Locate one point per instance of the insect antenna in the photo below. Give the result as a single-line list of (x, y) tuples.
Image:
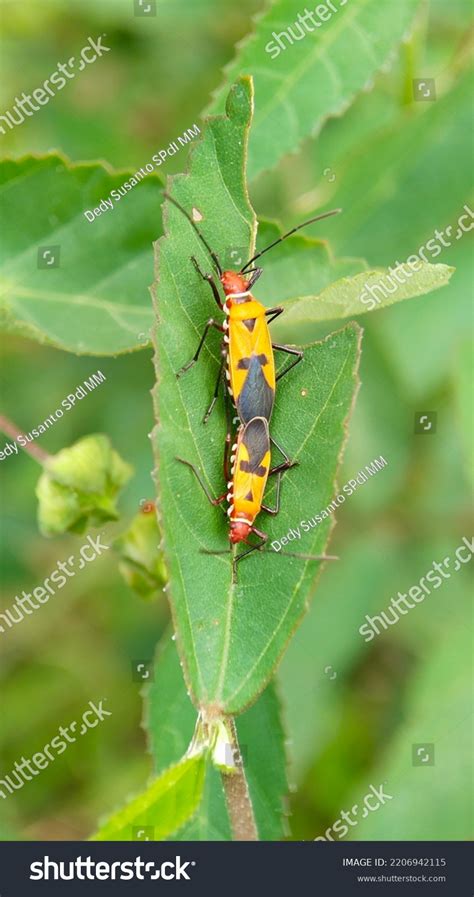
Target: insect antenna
[(290, 232), (304, 557), (198, 232), (288, 554)]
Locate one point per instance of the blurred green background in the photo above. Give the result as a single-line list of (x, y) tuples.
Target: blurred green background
[(353, 710)]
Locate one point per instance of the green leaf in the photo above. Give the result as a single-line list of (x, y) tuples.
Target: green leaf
[(384, 179), (389, 178), (318, 75), (362, 293), (231, 637), (170, 725), (165, 805), (97, 301)]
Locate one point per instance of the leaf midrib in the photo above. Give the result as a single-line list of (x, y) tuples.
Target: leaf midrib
[(304, 568), (76, 299)]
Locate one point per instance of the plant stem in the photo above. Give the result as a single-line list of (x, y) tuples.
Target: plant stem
[(7, 426), (239, 804)]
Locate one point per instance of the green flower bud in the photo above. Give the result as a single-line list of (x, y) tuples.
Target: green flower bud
[(79, 486), (141, 562)]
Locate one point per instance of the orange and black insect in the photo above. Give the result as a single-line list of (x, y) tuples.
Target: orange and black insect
[(247, 348), (245, 490)]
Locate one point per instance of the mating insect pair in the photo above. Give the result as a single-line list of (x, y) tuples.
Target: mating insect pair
[(249, 368), (250, 472)]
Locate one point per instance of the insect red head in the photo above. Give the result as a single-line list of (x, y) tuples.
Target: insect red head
[(233, 282), (239, 530)]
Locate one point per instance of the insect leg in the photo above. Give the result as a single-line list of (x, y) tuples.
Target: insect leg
[(286, 464), (290, 350), (244, 554), (210, 280), (228, 441), (213, 501), (215, 393), (276, 509), (280, 468), (210, 323), (274, 312)]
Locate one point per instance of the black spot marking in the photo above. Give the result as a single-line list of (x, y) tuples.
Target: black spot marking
[(249, 496), (247, 467), (257, 397), (244, 363), (256, 439), (250, 324)]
